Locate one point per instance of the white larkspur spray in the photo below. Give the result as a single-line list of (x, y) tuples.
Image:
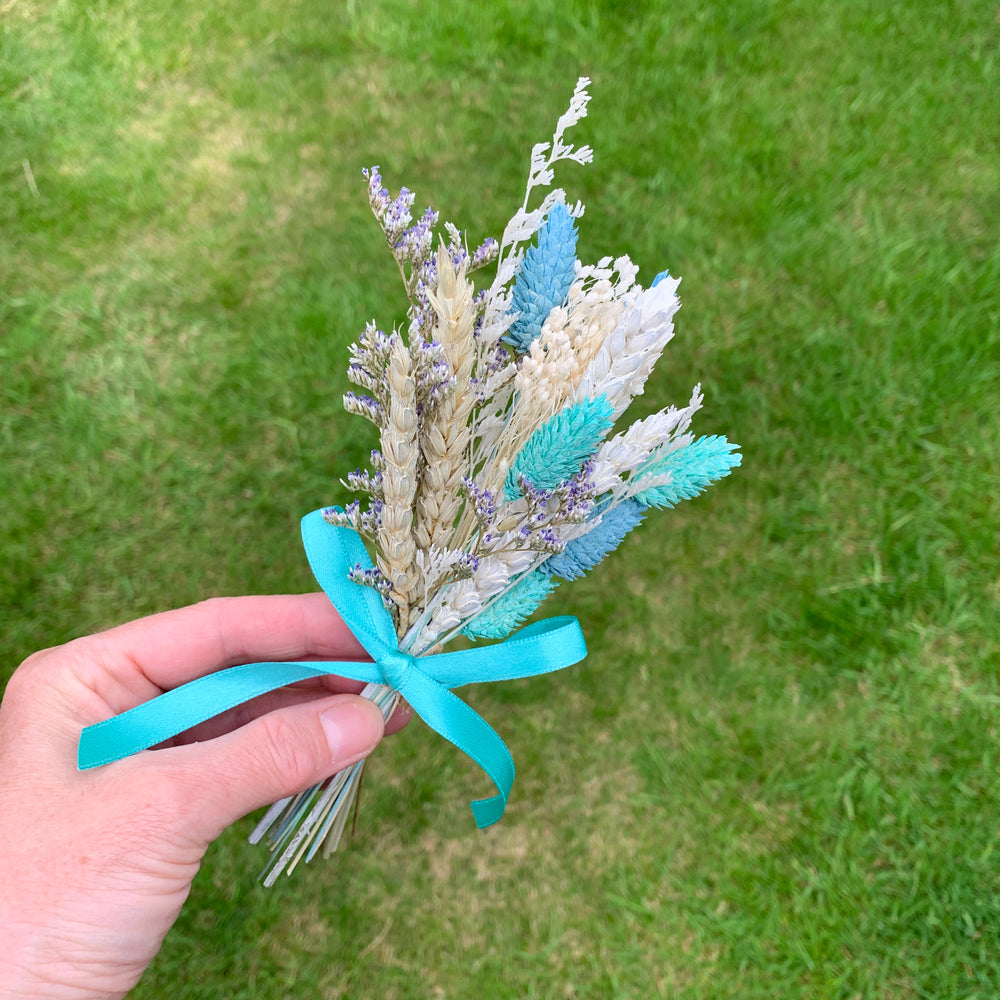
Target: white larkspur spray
[(629, 450), (525, 222)]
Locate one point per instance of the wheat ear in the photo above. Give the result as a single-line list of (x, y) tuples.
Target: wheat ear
[(444, 438), (400, 451)]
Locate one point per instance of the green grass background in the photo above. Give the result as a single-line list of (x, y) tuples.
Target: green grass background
[(776, 773)]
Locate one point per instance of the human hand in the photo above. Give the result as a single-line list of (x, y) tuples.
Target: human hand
[(97, 863)]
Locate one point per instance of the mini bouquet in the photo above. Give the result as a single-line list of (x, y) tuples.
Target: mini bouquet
[(501, 471)]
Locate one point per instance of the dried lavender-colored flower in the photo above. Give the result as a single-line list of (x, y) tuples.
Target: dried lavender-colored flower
[(484, 254), (483, 502), (365, 406), (362, 481)]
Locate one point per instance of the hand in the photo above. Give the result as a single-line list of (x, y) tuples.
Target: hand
[(96, 864)]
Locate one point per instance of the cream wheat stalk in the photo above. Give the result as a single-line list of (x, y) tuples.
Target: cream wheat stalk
[(395, 549), (445, 437)]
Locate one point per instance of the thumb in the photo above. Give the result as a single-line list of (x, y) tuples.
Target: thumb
[(276, 755)]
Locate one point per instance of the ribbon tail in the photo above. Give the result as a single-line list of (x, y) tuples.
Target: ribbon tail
[(466, 729), (541, 648), (197, 701)]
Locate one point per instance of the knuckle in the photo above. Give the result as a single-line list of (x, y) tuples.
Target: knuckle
[(293, 752), (28, 676), (35, 663)]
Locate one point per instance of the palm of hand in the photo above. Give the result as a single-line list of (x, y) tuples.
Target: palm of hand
[(111, 890)]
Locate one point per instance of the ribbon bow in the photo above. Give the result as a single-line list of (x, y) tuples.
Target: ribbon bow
[(425, 682)]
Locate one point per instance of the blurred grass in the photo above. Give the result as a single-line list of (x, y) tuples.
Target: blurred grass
[(775, 773)]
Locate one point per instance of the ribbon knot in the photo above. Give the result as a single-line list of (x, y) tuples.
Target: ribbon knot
[(333, 552), (395, 667)]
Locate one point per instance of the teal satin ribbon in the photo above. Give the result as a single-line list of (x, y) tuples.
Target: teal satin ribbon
[(425, 682)]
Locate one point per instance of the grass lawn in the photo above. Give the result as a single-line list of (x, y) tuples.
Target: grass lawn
[(776, 773)]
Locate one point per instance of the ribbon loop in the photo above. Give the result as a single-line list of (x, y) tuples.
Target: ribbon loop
[(425, 682)]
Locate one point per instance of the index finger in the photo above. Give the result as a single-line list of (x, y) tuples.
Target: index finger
[(174, 647)]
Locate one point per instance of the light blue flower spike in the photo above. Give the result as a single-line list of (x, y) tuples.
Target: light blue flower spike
[(584, 553), (557, 450), (512, 607), (543, 282), (692, 468)]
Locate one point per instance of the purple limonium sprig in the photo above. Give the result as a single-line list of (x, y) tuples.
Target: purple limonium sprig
[(416, 242), (365, 406), (434, 378), (466, 565), (374, 578), (413, 247), (423, 282), (483, 502), (362, 481), (366, 521), (542, 539), (369, 358), (370, 520), (461, 259), (378, 196), (577, 495), (393, 214), (484, 254)]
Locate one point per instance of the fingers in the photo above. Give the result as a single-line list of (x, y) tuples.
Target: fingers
[(177, 646), (285, 697), (271, 757), (245, 713)]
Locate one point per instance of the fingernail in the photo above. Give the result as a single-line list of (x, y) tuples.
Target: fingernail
[(352, 728)]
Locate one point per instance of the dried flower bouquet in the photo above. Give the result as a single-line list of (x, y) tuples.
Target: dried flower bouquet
[(497, 475)]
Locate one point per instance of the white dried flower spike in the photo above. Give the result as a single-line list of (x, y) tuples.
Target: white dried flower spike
[(525, 223), (623, 454), (620, 369)]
